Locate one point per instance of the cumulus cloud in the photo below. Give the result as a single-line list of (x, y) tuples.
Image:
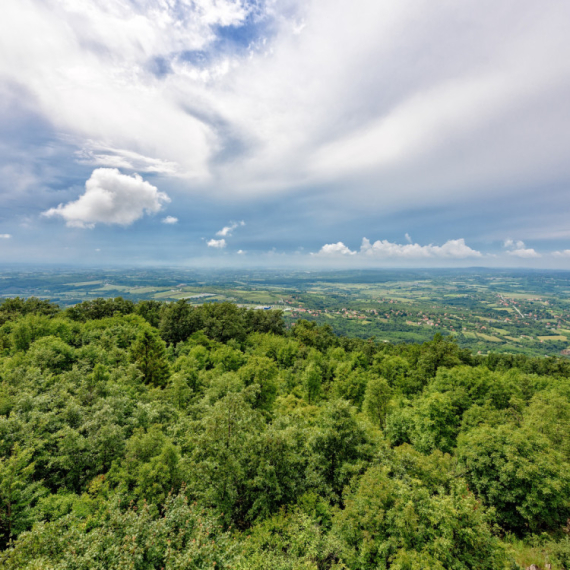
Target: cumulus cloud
[(517, 248), (335, 249), (170, 220), (111, 198), (524, 253), (227, 231), (513, 244), (451, 249), (564, 253), (454, 248), (5, 236), (217, 243)]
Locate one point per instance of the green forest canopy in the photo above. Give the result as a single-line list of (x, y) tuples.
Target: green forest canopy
[(162, 435)]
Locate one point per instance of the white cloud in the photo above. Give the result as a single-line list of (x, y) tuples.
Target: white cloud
[(372, 106), (5, 236), (119, 72), (111, 198), (228, 230), (241, 252), (452, 249), (170, 220), (335, 249), (517, 248), (217, 243), (524, 253), (564, 253), (408, 238), (513, 244)]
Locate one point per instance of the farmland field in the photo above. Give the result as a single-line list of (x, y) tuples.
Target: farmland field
[(485, 310)]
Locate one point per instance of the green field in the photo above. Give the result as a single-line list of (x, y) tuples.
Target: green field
[(485, 310)]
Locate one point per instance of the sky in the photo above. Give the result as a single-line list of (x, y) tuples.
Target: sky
[(301, 133)]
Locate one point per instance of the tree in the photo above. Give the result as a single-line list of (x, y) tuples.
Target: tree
[(224, 321), (312, 379), (376, 400), (18, 492), (517, 472), (11, 309), (261, 372), (264, 321), (150, 311), (181, 535), (310, 334), (225, 457), (100, 309), (338, 448), (391, 523), (430, 423), (148, 352), (179, 321)]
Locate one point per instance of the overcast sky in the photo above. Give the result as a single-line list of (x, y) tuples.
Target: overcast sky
[(283, 132)]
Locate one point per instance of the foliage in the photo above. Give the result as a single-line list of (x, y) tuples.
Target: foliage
[(166, 435), (514, 470)]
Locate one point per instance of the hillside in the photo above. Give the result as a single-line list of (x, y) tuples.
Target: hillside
[(156, 435)]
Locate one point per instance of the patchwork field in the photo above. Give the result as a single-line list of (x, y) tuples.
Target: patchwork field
[(502, 311)]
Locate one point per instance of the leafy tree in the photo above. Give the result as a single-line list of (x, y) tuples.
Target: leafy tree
[(224, 321), (312, 335), (51, 354), (339, 448), (388, 523), (179, 321), (225, 456), (312, 380), (264, 321), (431, 423), (515, 471), (14, 307), (183, 536), (377, 399), (18, 492), (227, 358), (549, 413), (290, 541), (261, 372), (148, 352), (150, 311), (100, 309)]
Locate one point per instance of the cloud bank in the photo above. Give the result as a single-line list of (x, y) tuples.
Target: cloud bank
[(111, 198), (451, 249)]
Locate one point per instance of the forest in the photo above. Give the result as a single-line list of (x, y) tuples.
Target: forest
[(165, 435)]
